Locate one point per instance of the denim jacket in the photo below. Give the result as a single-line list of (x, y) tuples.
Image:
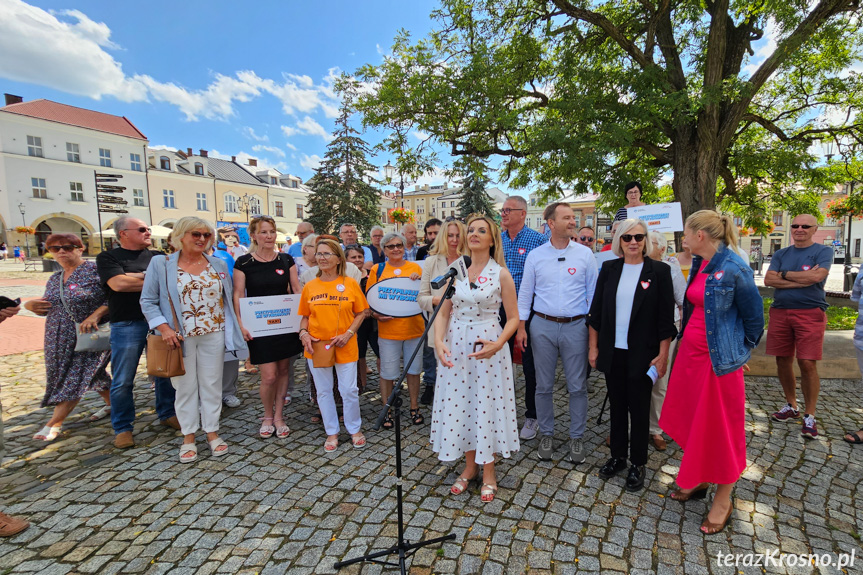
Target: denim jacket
[(733, 310), (160, 283)]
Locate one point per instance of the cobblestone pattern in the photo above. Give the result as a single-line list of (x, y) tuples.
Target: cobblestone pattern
[(274, 506)]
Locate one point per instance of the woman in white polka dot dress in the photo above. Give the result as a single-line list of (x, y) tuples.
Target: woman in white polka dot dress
[(474, 403)]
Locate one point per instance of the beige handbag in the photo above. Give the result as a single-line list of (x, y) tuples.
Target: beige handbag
[(163, 361)]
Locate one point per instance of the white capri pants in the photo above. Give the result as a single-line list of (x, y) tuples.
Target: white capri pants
[(393, 351), (347, 374), (199, 391)]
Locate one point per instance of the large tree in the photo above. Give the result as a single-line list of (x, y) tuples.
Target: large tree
[(341, 192), (590, 94), (474, 198)]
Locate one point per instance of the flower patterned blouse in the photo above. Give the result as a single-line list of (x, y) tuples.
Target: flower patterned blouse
[(201, 302)]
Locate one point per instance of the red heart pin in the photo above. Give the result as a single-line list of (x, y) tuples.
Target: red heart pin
[(280, 272), (482, 279), (645, 285), (806, 268), (571, 271), (521, 251), (718, 275)]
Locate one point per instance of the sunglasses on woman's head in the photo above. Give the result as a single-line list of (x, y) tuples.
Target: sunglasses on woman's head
[(197, 235), (628, 237)]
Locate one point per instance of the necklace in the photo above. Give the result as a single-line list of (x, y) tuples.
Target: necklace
[(261, 259)]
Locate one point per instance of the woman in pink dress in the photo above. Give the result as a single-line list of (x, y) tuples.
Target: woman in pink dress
[(704, 411)]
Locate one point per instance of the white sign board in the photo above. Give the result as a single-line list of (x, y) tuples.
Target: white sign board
[(659, 217), (270, 315), (396, 297)]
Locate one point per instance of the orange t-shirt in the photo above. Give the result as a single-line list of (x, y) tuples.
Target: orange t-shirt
[(399, 328), (332, 310)]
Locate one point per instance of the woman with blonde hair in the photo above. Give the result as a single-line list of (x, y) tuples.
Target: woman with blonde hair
[(265, 271), (474, 404), (333, 306), (705, 406), (187, 297)]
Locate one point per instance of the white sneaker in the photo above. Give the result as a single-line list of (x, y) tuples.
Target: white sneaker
[(231, 401), (531, 426)]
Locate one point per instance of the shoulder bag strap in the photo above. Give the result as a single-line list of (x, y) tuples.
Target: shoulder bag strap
[(381, 267), (63, 299)]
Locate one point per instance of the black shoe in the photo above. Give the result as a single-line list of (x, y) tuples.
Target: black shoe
[(635, 479), (428, 395), (612, 467)]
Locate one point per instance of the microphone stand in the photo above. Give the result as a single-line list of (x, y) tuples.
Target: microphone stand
[(404, 548)]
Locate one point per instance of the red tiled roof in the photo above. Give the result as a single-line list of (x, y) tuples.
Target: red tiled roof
[(72, 116)]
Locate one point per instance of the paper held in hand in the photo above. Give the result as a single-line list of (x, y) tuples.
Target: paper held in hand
[(270, 315), (659, 217)]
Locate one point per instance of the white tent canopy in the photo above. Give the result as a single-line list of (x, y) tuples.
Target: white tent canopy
[(158, 232)]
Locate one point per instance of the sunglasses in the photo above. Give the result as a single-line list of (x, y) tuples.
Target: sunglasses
[(66, 248), (198, 235), (587, 239), (140, 230), (804, 226), (395, 247), (629, 237)]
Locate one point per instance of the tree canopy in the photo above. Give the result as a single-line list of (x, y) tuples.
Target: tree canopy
[(340, 191), (474, 198), (729, 98)]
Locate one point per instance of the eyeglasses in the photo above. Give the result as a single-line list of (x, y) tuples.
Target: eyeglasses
[(66, 248), (395, 247), (587, 239), (324, 255), (506, 211), (629, 237), (197, 235), (140, 230), (804, 226)]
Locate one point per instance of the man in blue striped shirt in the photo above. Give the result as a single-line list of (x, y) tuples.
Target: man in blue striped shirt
[(518, 240)]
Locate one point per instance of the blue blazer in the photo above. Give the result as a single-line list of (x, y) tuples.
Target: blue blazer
[(160, 283)]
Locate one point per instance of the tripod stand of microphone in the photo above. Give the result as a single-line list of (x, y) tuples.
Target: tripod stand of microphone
[(405, 548)]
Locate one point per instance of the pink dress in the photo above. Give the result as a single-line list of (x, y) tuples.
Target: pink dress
[(704, 413)]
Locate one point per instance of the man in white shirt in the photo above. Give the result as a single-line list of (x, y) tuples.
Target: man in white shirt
[(559, 278)]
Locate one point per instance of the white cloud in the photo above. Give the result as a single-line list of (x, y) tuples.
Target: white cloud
[(250, 133), (214, 102), (311, 162), (763, 48), (290, 146), (270, 149), (420, 135), (163, 147), (288, 131), (306, 126)]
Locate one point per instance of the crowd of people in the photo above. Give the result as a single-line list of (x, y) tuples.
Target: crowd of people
[(671, 334)]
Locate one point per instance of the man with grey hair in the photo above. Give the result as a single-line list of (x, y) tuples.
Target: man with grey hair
[(304, 229), (377, 234), (348, 235), (409, 231), (518, 241), (122, 272)]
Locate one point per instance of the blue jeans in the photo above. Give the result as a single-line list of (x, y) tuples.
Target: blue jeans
[(128, 339), (429, 366)]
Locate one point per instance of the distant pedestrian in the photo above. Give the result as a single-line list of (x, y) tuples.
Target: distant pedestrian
[(4, 251)]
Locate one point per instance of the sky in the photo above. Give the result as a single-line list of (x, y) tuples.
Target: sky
[(252, 79)]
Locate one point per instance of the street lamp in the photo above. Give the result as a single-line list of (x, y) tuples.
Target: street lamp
[(22, 208)]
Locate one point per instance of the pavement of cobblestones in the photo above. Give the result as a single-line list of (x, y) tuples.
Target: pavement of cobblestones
[(275, 506)]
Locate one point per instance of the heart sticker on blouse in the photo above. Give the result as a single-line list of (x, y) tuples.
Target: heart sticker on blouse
[(645, 285), (222, 275), (521, 251), (397, 272), (571, 271), (482, 279), (280, 272), (73, 286), (806, 268), (718, 275)]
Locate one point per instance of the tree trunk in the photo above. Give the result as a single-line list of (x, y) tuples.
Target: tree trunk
[(695, 176)]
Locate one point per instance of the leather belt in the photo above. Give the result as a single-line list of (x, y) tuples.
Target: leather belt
[(559, 319)]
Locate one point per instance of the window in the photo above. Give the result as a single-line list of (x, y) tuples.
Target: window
[(255, 206), (73, 152), (280, 210), (105, 157), (231, 203), (77, 190), (135, 159), (538, 221), (168, 199), (857, 248), (274, 181), (34, 146), (165, 163), (202, 201), (199, 168), (738, 221), (452, 204), (777, 218), (294, 184), (137, 197), (588, 221), (299, 211), (39, 188)]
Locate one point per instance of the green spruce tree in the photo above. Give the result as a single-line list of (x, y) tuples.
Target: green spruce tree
[(340, 192), (474, 198)]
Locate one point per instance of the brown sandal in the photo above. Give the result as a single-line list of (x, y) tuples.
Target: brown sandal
[(709, 528), (700, 492)]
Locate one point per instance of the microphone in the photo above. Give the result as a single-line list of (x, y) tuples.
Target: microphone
[(457, 269)]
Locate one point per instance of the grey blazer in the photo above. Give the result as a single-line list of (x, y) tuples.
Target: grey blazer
[(160, 283)]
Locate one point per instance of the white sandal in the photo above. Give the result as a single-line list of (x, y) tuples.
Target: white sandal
[(188, 448), (102, 413), (48, 433), (216, 444)]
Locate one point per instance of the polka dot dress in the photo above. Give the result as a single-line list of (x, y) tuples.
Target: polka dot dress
[(474, 401)]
